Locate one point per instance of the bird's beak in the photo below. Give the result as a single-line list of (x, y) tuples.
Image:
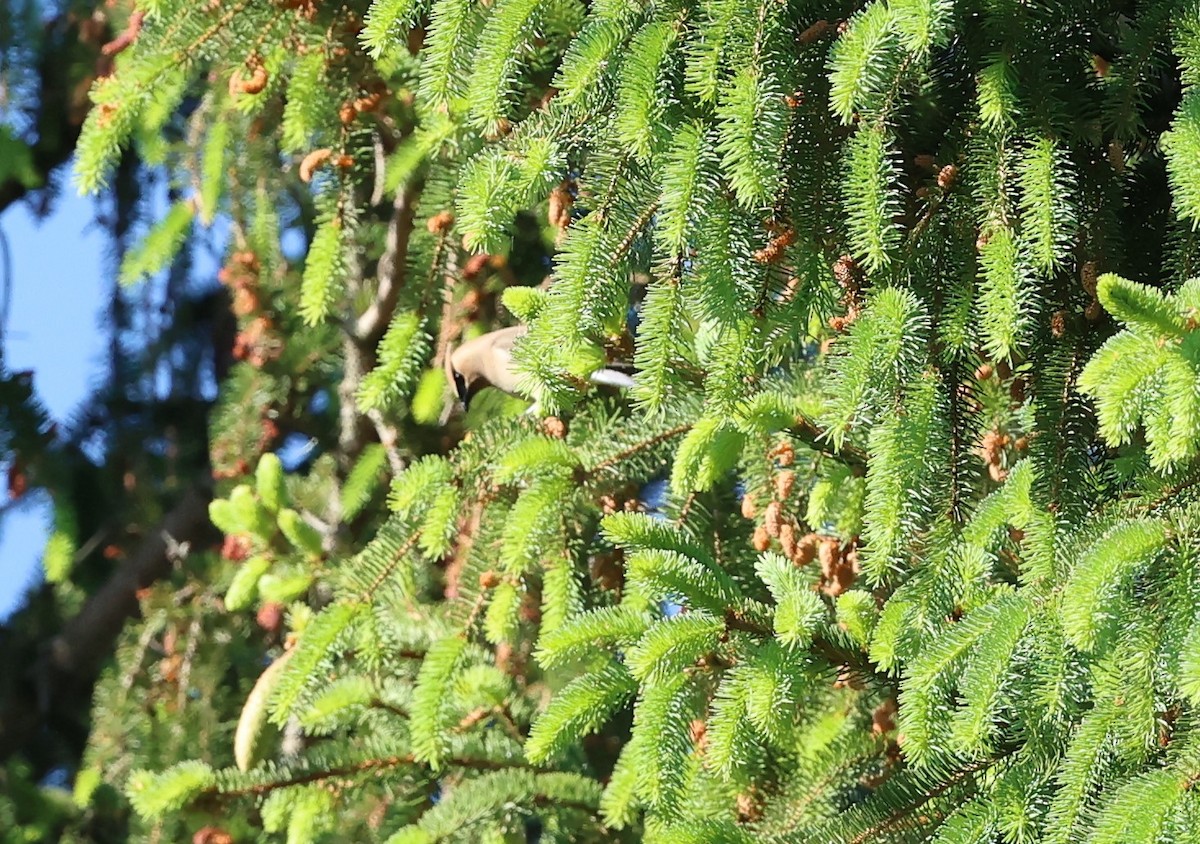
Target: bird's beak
[(457, 380)]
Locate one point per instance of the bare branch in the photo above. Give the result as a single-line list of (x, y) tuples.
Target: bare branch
[(88, 637), (393, 264)]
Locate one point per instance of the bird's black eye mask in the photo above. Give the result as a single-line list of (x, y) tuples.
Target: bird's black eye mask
[(460, 387)]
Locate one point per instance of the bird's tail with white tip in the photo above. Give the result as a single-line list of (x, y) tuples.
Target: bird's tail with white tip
[(611, 378)]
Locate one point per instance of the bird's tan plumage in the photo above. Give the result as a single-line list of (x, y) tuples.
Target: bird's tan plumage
[(487, 361)]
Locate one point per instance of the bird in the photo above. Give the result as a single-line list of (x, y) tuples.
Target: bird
[(487, 361)]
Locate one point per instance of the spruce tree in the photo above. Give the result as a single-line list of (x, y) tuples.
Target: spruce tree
[(891, 540)]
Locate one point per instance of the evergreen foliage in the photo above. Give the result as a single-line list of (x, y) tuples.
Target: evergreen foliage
[(893, 540)]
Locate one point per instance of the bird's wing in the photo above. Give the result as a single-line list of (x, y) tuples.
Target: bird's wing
[(500, 370)]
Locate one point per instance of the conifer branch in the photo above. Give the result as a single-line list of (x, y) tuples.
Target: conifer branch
[(398, 711), (818, 788), (854, 660), (984, 622), (386, 572), (968, 770), (363, 767), (630, 236), (817, 439), (636, 448)]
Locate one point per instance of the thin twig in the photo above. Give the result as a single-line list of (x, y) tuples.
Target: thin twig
[(816, 439), (363, 767), (657, 439), (388, 437), (887, 823)]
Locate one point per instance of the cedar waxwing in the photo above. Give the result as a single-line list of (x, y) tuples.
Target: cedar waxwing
[(487, 361)]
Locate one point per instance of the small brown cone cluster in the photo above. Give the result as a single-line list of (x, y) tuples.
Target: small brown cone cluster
[(268, 433), (993, 451), (127, 36), (947, 174), (947, 177), (783, 528), (749, 508), (749, 806), (306, 9), (773, 519), (313, 162), (256, 342), (559, 205), (211, 835), (440, 223), (105, 114), (883, 720), (242, 270), (372, 98), (806, 549), (619, 503), (251, 79), (240, 275), (761, 540), (1088, 276), (1058, 324), (814, 33), (839, 566), (475, 266), (169, 667), (784, 482), (553, 427), (270, 617), (778, 525), (235, 547), (18, 479), (783, 454), (318, 158), (782, 237), (848, 275), (608, 570), (787, 539), (225, 470)]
